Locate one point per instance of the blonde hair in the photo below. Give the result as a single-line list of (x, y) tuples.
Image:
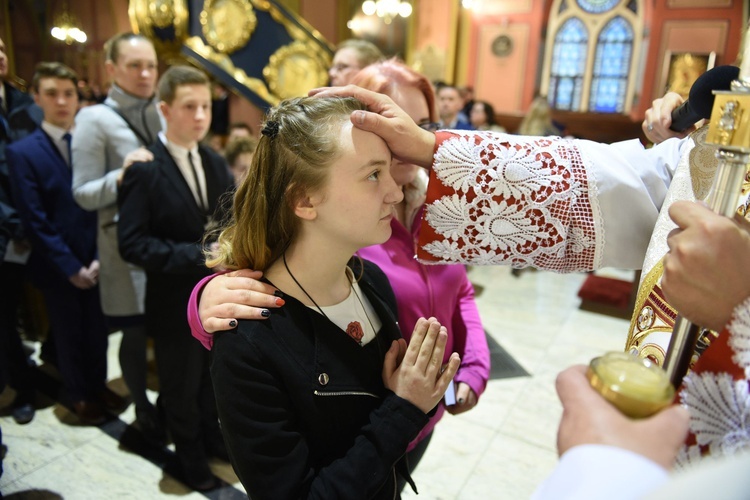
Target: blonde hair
[(367, 52), (538, 121), (300, 140)]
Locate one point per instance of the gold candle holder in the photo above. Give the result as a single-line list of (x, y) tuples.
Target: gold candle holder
[(636, 386)]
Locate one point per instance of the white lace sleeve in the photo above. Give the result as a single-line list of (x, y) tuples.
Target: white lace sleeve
[(542, 201), (717, 394), (739, 339)]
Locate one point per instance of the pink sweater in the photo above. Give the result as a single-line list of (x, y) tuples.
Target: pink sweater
[(442, 291)]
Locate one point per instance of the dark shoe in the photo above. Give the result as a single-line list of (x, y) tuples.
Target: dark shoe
[(89, 412), (23, 414), (112, 401), (150, 426), (198, 475)]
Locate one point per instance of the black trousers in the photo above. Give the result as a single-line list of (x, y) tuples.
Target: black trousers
[(14, 363), (80, 332), (185, 388)]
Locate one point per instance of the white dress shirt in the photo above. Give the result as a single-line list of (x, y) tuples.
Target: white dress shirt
[(180, 156), (57, 135)]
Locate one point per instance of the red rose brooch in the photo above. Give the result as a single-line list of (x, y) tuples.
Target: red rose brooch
[(354, 330)]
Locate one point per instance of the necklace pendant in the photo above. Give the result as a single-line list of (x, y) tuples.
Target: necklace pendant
[(355, 331)]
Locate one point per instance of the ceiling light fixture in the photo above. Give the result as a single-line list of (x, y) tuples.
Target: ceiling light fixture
[(387, 9), (66, 28)]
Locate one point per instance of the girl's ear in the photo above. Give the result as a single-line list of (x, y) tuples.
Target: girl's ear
[(307, 204), (304, 208)]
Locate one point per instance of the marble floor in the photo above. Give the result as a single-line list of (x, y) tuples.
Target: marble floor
[(501, 449)]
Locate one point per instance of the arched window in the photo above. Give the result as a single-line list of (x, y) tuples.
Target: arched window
[(568, 65), (590, 62), (614, 51)]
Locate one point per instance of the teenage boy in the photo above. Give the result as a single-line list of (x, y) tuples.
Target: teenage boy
[(165, 205), (63, 262)]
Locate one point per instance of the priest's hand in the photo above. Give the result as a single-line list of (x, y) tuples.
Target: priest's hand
[(589, 419), (406, 140), (707, 269)]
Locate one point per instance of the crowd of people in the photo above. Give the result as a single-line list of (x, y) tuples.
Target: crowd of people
[(293, 253)]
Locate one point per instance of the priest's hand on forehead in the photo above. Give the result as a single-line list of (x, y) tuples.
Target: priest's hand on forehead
[(406, 140)]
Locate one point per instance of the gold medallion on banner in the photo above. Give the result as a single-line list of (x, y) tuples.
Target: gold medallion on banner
[(150, 17), (295, 69), (228, 24)]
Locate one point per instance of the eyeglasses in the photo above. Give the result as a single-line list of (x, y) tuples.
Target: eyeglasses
[(430, 126), (343, 67)]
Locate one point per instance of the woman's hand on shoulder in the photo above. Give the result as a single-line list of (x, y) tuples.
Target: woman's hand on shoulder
[(236, 295), (416, 373)]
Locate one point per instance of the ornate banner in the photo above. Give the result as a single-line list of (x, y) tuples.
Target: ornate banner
[(255, 47)]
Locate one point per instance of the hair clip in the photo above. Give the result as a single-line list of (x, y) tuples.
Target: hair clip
[(271, 129)]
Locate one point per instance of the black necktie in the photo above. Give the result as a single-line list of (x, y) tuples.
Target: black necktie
[(67, 138), (203, 204)]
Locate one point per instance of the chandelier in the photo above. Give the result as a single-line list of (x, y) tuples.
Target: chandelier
[(66, 28), (387, 9)]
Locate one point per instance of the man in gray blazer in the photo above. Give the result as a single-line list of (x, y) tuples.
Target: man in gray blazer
[(105, 134)]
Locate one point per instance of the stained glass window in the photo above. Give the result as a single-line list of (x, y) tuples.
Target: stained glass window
[(612, 60), (597, 6), (568, 65)]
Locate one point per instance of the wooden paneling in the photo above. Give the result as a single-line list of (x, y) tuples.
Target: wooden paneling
[(606, 128)]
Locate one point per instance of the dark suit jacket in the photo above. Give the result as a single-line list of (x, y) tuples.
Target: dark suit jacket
[(62, 234), (160, 228), (303, 407), (23, 116)]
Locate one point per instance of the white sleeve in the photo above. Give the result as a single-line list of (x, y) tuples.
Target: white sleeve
[(631, 184), (598, 471), (555, 204)]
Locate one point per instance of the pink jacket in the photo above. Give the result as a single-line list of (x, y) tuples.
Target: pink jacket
[(442, 291)]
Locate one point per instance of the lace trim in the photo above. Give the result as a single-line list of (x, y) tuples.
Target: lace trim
[(520, 201), (739, 338), (719, 411)]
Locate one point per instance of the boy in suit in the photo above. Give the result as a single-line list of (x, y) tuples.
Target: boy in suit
[(63, 261), (165, 206)]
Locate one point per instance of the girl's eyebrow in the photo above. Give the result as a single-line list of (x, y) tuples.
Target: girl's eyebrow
[(374, 163)]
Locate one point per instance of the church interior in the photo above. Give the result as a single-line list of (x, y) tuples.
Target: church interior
[(599, 65)]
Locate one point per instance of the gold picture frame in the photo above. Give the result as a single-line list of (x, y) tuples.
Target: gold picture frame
[(681, 69)]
